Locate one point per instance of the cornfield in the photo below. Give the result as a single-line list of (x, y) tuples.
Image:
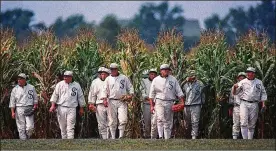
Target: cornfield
[(43, 56)]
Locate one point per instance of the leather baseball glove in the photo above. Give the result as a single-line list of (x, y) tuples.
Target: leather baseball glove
[(177, 107), (29, 112), (125, 98)]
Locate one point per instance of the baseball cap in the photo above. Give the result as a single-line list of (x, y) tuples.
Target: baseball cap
[(164, 66), (68, 73), (22, 75), (153, 70), (242, 74), (251, 69), (114, 66)]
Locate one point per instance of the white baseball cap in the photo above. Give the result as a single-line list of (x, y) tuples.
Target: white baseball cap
[(251, 69), (242, 74), (164, 66), (153, 70), (68, 73), (22, 75), (103, 69), (114, 66)]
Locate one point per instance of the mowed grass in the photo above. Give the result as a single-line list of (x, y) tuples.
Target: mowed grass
[(138, 144)]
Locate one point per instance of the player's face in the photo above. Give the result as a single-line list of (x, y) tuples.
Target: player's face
[(68, 79), (152, 75), (165, 72), (241, 78), (21, 81), (191, 78), (250, 75), (114, 71), (103, 75)]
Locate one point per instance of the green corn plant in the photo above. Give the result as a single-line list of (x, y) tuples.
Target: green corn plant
[(82, 56), (211, 64), (255, 50), (9, 68), (133, 61), (41, 60)]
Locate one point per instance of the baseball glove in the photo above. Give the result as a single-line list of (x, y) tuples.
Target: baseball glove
[(29, 112), (177, 107), (125, 98)]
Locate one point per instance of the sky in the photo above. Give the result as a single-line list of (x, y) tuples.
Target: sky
[(49, 11)]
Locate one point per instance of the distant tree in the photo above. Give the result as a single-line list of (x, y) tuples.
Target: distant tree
[(19, 20), (69, 26), (238, 21), (108, 29), (152, 18)]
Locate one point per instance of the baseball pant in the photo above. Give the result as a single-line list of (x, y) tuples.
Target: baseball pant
[(191, 118), (117, 111), (236, 121), (153, 125), (102, 120), (67, 120), (248, 117), (25, 124), (164, 114), (147, 119)]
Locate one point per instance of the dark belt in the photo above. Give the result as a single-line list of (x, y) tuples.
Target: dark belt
[(165, 100), (249, 101), (113, 99), (192, 105)]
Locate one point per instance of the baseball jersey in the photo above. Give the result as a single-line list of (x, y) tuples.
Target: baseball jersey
[(165, 88), (234, 99), (145, 87), (96, 92), (252, 90), (23, 96), (68, 95), (193, 93), (117, 86)]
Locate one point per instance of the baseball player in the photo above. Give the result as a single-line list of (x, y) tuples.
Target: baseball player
[(67, 96), (117, 89), (96, 102), (164, 89), (149, 118), (251, 91), (23, 102), (194, 99), (235, 100)]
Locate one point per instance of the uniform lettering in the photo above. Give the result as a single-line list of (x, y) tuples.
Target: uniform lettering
[(171, 85), (74, 91), (30, 94), (122, 82)]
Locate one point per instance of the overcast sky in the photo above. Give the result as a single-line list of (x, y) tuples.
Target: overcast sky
[(48, 11)]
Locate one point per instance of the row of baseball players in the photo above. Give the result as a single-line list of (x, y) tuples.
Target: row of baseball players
[(105, 98)]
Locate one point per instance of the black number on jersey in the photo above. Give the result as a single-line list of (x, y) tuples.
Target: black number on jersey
[(74, 91)]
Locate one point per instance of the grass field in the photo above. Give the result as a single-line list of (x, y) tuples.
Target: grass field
[(138, 144)]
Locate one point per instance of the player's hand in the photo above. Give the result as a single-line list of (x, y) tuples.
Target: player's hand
[(35, 106), (263, 109), (92, 107), (230, 112), (152, 109), (52, 109), (13, 115), (236, 85), (81, 112), (105, 102)]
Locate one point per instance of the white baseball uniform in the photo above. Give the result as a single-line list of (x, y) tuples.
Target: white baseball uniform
[(67, 97), (149, 118), (251, 93), (235, 100), (96, 97), (114, 88), (194, 99), (164, 90), (23, 98)]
